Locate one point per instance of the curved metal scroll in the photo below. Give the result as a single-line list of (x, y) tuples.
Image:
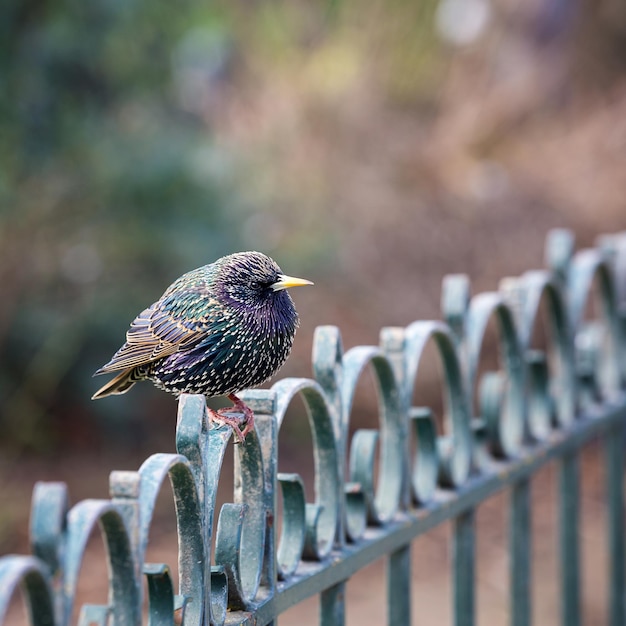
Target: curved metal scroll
[(32, 576)]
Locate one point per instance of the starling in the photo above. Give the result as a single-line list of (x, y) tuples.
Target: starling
[(217, 330)]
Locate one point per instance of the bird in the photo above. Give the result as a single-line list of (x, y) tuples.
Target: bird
[(215, 331)]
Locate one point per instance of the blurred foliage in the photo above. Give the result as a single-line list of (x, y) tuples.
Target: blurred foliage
[(111, 183), (110, 188)]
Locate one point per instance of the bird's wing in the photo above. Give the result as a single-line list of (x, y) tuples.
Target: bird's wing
[(169, 325)]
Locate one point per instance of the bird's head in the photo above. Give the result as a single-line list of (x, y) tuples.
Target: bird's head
[(252, 280)]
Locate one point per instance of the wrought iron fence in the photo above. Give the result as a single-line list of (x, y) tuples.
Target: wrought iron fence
[(541, 406)]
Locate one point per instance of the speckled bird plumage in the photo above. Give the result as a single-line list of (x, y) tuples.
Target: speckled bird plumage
[(216, 330)]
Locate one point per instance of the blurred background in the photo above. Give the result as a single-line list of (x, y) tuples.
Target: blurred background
[(372, 147)]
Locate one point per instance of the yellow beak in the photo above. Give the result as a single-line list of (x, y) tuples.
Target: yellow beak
[(285, 282)]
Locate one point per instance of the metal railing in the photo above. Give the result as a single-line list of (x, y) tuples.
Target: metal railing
[(541, 406)]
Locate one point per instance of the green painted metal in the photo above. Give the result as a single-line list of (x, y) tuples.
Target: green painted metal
[(464, 560), (569, 497), (520, 542), (399, 587), (614, 454), (540, 406), (333, 605)]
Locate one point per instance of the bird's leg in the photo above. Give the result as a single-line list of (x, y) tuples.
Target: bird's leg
[(248, 415), (222, 416), (219, 417)]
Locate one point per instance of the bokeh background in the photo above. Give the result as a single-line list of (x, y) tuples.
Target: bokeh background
[(371, 146)]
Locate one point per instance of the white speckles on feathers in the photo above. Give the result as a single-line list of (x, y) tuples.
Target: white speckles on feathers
[(216, 330)]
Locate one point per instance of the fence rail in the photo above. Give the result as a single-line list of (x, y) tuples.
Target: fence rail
[(499, 428)]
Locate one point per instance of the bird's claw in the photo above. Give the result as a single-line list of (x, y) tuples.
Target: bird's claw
[(247, 412), (225, 417), (231, 416)]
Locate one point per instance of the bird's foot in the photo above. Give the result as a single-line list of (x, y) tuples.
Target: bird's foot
[(248, 414), (227, 416)]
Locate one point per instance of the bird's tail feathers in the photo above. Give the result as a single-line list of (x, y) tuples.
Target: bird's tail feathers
[(120, 384)]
